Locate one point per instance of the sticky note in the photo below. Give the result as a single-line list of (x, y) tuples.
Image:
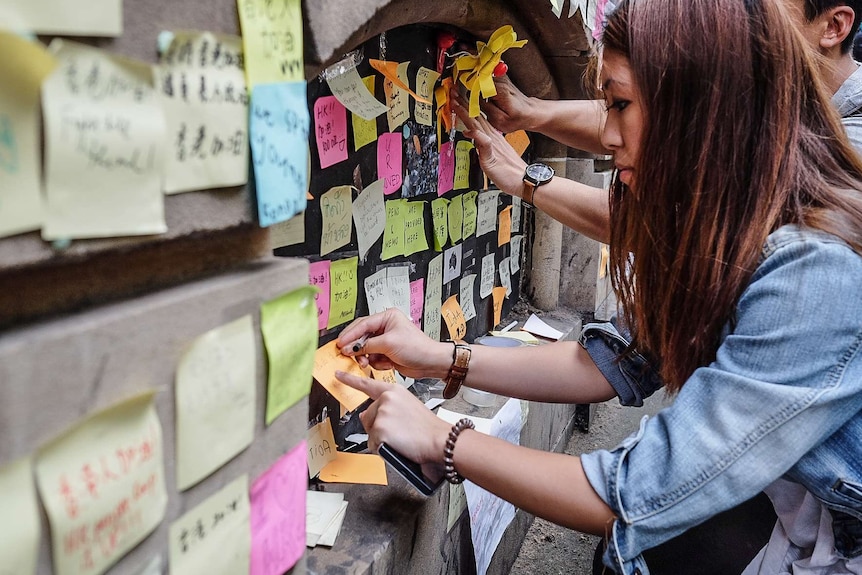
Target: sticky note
[(64, 17), (446, 170), (104, 142), (272, 41), (278, 132), (499, 295), (433, 298), (517, 208), (289, 327), (456, 218), (328, 360), (318, 276), (515, 257), (397, 100), (214, 537), (215, 399), (369, 216), (397, 74), (420, 150), (414, 228), (506, 275), (103, 486), (377, 292), (452, 263), (398, 286), (364, 468), (486, 283), (486, 220), (289, 233), (470, 213), (393, 235), (351, 91), (201, 86), (330, 130), (24, 66), (519, 140), (426, 80), (342, 295), (417, 300), (336, 208), (389, 162), (321, 447), (277, 501), (19, 524), (322, 509), (364, 131), (387, 375), (453, 315), (504, 228), (462, 164), (440, 221), (465, 296)]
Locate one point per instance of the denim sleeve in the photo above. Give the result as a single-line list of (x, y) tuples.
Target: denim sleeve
[(786, 378), (632, 377)]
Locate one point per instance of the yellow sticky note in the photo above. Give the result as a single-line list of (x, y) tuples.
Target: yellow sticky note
[(440, 221), (364, 468), (453, 315), (498, 295), (104, 142), (24, 66), (397, 100), (393, 234), (364, 131), (64, 17), (103, 486), (321, 447), (201, 85), (289, 327), (519, 141), (328, 360), (414, 228), (19, 523), (470, 213), (397, 74), (272, 38), (215, 400), (456, 218), (342, 291), (214, 538), (504, 229), (462, 164), (426, 80), (291, 232), (336, 209)]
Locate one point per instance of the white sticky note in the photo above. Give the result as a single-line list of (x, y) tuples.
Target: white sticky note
[(398, 286), (486, 220), (369, 216), (517, 208), (452, 263), (291, 232), (376, 292), (19, 522), (66, 17), (347, 86), (215, 398), (465, 297), (506, 276), (426, 79), (433, 298), (321, 508), (486, 282), (515, 257), (538, 327), (336, 209)]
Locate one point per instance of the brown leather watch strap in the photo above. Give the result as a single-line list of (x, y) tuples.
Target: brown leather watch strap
[(458, 372), (529, 192)]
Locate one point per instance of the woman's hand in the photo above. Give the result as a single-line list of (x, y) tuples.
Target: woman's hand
[(400, 420), (510, 109), (394, 342)]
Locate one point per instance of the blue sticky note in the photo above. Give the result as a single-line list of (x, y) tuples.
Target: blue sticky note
[(278, 133)]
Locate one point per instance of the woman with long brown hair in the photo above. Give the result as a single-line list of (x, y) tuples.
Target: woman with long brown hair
[(739, 197)]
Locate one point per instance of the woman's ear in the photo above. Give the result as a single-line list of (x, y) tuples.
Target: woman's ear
[(838, 21)]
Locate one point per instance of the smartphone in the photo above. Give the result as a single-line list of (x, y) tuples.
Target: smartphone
[(409, 470)]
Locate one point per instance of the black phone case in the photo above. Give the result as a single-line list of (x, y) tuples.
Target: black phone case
[(409, 470)]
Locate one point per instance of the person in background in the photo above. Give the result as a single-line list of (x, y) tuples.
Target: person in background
[(738, 192)]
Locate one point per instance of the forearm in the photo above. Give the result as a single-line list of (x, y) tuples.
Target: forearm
[(576, 123), (577, 206)]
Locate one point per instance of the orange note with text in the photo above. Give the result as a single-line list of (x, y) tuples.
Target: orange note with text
[(519, 141), (328, 360), (504, 229), (498, 295), (453, 315), (355, 468)]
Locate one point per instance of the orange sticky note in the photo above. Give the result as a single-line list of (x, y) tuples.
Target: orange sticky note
[(390, 71), (504, 229), (387, 375), (519, 141), (355, 468), (327, 360), (453, 315), (498, 295)]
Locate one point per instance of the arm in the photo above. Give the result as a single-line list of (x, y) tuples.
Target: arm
[(559, 372)]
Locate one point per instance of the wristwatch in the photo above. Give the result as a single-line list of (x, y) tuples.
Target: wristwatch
[(534, 176)]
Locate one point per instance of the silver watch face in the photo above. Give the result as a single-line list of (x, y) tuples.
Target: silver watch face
[(539, 172)]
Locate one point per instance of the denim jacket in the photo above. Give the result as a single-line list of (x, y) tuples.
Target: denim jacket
[(783, 398)]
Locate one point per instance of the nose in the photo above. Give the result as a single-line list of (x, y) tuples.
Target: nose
[(610, 137)]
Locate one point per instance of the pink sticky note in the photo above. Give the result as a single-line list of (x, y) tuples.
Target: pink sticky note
[(330, 130), (417, 301), (278, 514), (446, 169), (318, 275), (389, 161)]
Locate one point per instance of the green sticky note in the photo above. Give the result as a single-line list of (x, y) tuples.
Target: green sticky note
[(462, 164), (456, 217), (342, 291), (440, 221), (414, 228), (393, 235), (470, 213), (364, 131), (289, 327)]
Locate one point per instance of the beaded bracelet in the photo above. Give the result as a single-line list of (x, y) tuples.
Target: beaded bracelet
[(453, 476)]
